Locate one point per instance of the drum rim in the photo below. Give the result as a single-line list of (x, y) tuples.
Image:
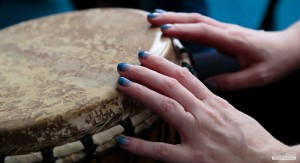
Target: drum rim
[(161, 45), (139, 123)]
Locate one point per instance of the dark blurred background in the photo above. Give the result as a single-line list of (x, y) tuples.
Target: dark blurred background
[(243, 12), (273, 106)]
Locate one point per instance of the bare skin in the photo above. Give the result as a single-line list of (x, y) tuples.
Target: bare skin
[(264, 57), (211, 129)]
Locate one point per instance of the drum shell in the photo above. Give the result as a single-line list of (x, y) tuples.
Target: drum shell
[(62, 52)]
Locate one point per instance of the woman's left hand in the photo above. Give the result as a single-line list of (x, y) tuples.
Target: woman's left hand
[(211, 130), (264, 57)]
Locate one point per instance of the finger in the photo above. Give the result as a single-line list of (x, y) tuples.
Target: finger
[(156, 150), (160, 83), (182, 75), (238, 80), (202, 33), (159, 19), (168, 109)]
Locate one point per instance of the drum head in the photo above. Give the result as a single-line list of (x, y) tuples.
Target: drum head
[(58, 75)]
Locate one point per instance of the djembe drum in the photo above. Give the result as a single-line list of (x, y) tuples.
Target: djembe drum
[(58, 97)]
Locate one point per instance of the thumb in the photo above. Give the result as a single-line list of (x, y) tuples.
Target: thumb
[(243, 79)]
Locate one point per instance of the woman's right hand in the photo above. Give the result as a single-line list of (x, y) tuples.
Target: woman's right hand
[(210, 129), (264, 57)]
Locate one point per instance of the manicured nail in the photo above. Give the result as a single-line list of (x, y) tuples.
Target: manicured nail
[(123, 67), (143, 54), (122, 140), (124, 82), (166, 26), (159, 11), (211, 85), (153, 15)]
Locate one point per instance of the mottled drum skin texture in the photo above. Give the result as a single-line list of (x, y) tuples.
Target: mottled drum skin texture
[(58, 75)]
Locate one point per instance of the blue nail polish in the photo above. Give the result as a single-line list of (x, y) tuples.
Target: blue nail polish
[(123, 67), (143, 54), (124, 82), (122, 140), (159, 11), (166, 26), (152, 15)]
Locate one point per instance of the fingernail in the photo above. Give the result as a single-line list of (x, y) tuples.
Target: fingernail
[(122, 140), (210, 85), (159, 11), (123, 67), (124, 82), (166, 26), (152, 15), (143, 54)]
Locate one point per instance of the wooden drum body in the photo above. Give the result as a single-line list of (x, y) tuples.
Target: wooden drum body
[(58, 82)]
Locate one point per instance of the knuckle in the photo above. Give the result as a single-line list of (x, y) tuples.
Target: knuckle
[(182, 73), (168, 104), (196, 17), (262, 76), (209, 100), (222, 102), (171, 83), (239, 36), (216, 102), (204, 30), (233, 32), (161, 151), (234, 27)]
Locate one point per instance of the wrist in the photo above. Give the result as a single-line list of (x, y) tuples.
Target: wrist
[(293, 33), (292, 154), (274, 153), (284, 154)]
